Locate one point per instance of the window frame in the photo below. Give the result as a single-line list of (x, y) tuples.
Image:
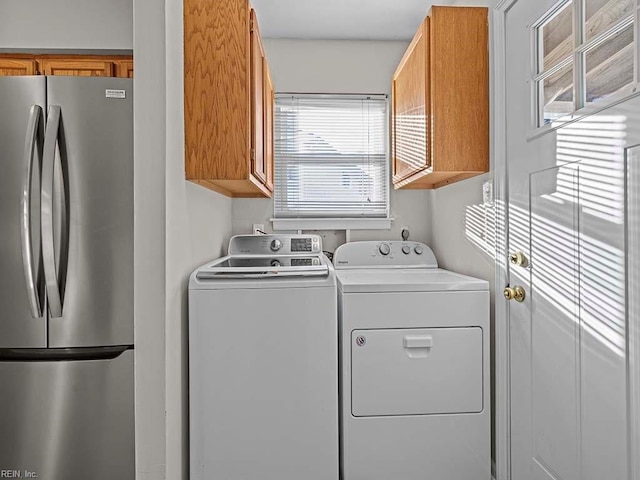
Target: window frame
[(342, 223), (581, 47)]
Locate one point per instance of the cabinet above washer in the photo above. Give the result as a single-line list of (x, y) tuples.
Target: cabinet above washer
[(228, 99)]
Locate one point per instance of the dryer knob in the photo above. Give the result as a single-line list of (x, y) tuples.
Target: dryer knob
[(406, 249), (418, 249), (384, 249), (276, 245)]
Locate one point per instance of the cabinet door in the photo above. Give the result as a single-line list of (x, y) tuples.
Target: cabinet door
[(410, 108), (18, 67), (269, 108), (123, 68), (258, 169), (77, 67)]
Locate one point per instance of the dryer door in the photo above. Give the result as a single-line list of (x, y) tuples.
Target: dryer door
[(416, 371)]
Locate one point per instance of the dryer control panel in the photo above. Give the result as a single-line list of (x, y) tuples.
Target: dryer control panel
[(384, 254)]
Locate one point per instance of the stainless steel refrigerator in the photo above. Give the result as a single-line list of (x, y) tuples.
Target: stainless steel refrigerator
[(66, 278)]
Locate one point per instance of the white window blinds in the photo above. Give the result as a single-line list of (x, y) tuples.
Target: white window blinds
[(331, 156)]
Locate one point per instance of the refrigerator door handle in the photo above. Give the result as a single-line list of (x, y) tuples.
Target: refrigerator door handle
[(54, 292), (32, 146)]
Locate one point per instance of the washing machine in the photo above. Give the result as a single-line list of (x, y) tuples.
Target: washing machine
[(414, 366), (263, 350)]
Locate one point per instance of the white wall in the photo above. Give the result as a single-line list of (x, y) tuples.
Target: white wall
[(198, 230), (179, 226), (337, 66), (149, 238), (449, 214), (66, 24)]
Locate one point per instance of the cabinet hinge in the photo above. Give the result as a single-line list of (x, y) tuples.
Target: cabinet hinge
[(253, 154)]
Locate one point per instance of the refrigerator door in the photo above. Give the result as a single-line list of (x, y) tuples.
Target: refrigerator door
[(21, 129), (87, 211), (68, 420)]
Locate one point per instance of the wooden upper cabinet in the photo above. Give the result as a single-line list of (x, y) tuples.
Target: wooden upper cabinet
[(69, 65), (224, 107), (77, 67), (123, 68), (18, 66), (269, 112), (258, 167), (410, 94), (440, 106)]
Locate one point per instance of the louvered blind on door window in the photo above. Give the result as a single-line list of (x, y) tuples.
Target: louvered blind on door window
[(331, 156)]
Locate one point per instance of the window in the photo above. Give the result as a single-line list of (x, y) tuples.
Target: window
[(331, 157), (584, 53)]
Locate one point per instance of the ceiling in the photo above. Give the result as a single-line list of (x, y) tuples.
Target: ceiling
[(341, 19)]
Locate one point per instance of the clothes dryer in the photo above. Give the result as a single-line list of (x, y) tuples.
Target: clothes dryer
[(414, 366)]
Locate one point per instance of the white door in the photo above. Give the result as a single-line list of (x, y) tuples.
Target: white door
[(573, 191)]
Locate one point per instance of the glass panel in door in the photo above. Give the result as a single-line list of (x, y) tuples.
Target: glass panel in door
[(609, 66), (556, 94), (600, 15), (555, 37)]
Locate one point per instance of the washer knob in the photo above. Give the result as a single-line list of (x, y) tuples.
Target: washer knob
[(406, 249), (418, 249), (276, 245), (384, 249)]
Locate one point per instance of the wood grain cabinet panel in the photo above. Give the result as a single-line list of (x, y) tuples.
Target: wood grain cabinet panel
[(410, 87), (69, 65), (223, 98), (18, 66), (123, 68), (258, 170), (441, 134), (269, 112), (77, 67)]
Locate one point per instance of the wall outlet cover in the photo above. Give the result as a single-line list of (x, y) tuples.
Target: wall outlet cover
[(257, 228), (487, 193)]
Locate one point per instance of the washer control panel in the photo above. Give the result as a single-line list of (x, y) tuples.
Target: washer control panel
[(390, 254), (270, 244)]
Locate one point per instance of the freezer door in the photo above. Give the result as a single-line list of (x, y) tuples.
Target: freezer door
[(68, 420), (87, 210), (21, 296)]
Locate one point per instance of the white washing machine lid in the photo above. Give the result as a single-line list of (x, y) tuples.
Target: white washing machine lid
[(233, 272), (406, 280)]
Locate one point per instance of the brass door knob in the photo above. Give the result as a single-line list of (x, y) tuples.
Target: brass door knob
[(519, 259), (516, 293)]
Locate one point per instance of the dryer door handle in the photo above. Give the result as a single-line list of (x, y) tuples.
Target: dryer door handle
[(417, 341)]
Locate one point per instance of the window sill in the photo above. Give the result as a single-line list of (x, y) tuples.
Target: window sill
[(331, 223)]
